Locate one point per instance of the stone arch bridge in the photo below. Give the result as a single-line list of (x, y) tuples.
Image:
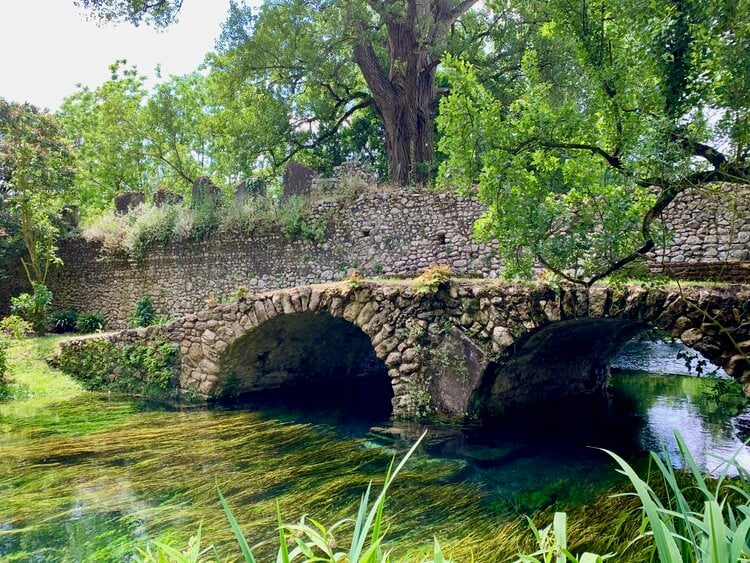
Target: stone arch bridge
[(470, 349)]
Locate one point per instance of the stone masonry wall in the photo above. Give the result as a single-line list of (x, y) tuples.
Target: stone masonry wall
[(387, 233)]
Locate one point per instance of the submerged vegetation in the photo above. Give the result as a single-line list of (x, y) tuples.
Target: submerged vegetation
[(94, 477)]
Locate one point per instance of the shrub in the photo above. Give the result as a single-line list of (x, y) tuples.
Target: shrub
[(99, 364), (89, 322), (63, 321), (433, 278), (15, 327), (295, 220), (144, 313), (3, 364), (33, 307), (152, 225)]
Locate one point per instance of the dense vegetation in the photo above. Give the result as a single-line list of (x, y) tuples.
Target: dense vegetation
[(579, 122)]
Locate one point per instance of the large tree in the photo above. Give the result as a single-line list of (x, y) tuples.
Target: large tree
[(36, 169), (619, 109), (328, 59)]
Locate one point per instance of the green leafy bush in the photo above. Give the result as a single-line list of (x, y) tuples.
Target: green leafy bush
[(89, 322), (144, 313), (296, 223), (33, 307), (15, 327), (144, 369), (63, 321), (3, 364)]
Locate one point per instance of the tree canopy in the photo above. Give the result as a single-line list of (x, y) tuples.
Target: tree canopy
[(36, 169), (617, 111)]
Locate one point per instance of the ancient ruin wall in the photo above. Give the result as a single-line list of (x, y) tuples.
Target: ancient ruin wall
[(388, 233), (392, 233)]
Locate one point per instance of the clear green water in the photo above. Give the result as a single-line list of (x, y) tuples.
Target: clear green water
[(91, 478)]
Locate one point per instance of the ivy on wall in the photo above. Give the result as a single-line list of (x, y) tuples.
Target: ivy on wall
[(149, 370)]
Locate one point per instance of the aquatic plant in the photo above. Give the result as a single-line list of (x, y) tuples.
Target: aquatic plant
[(684, 520), (553, 545), (711, 525)]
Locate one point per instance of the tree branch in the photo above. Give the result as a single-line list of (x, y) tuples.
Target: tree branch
[(612, 160), (459, 11)]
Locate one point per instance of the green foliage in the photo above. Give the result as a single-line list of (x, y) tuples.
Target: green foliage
[(294, 217), (33, 307), (102, 365), (3, 366), (89, 322), (433, 278), (36, 169), (553, 545), (63, 321), (616, 110), (144, 313), (16, 328), (713, 528), (697, 521), (315, 542), (160, 13)]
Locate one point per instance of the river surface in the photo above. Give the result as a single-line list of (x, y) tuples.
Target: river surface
[(93, 478)]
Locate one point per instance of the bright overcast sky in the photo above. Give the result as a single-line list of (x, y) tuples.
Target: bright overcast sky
[(47, 47)]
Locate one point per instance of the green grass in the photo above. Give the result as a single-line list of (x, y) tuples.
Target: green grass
[(32, 379)]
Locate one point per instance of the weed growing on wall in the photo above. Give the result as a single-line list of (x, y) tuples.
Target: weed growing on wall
[(147, 226), (144, 313), (135, 368), (294, 217), (433, 278)]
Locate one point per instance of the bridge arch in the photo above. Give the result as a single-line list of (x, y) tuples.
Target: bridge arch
[(570, 354), (316, 354), (454, 352)]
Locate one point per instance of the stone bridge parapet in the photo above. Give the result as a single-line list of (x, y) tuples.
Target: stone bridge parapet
[(469, 349)]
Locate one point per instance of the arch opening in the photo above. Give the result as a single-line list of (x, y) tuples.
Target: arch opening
[(564, 359), (311, 359)]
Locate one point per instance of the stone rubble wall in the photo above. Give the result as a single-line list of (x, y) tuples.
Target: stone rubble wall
[(473, 344), (382, 234), (709, 224), (388, 233)]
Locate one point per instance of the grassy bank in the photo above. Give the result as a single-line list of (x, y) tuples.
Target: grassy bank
[(32, 380)]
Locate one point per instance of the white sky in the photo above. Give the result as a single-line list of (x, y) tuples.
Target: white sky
[(47, 47)]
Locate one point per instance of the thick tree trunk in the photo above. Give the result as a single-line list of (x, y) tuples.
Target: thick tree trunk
[(405, 93), (409, 134)]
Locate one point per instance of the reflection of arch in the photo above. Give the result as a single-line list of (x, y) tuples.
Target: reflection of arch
[(308, 352)]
